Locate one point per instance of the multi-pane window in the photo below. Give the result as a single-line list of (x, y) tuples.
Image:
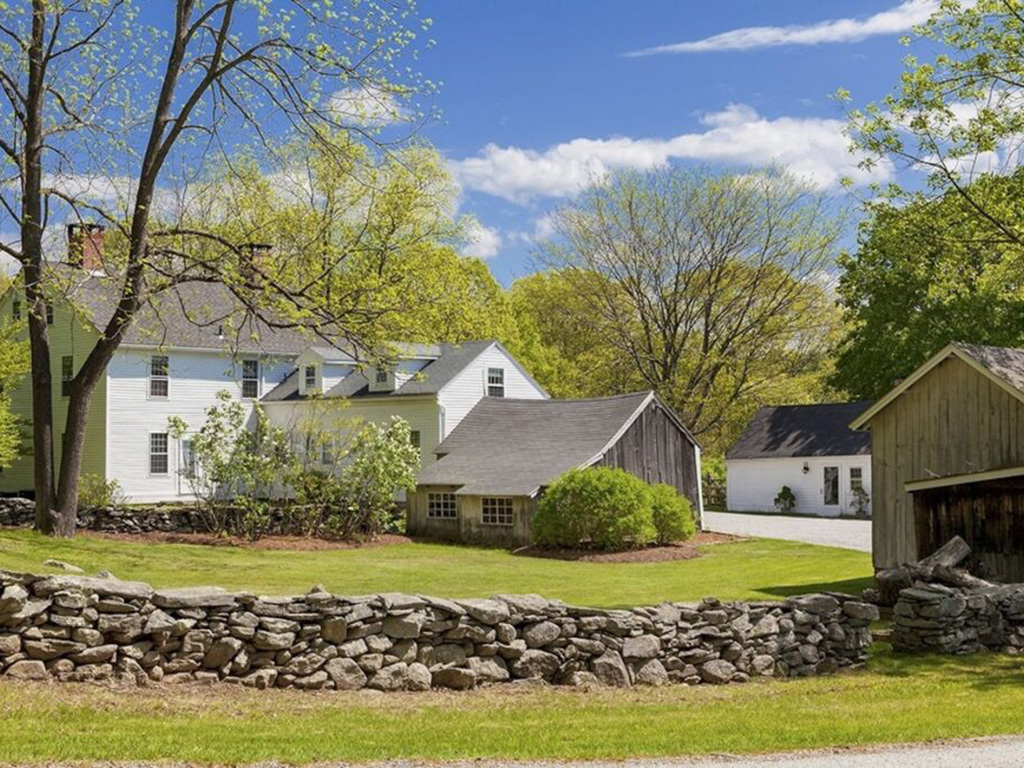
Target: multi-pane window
[(16, 310), (159, 376), (495, 382), (382, 376), (497, 511), (856, 479), (310, 374), (67, 373), (49, 314), (158, 453), (251, 379), (414, 438), (442, 505)]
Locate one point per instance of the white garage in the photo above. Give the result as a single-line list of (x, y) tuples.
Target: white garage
[(808, 449)]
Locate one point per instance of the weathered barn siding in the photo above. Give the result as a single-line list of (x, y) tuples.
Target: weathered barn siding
[(469, 525), (988, 515), (953, 420), (656, 450)]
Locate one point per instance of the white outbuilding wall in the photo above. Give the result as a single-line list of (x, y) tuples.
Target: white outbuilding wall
[(753, 484)]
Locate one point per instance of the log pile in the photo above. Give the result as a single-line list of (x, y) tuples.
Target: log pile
[(940, 567)]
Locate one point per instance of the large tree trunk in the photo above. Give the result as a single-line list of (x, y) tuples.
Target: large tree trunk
[(32, 223)]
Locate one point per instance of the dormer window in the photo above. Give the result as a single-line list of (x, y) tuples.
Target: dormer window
[(495, 382), (310, 378)]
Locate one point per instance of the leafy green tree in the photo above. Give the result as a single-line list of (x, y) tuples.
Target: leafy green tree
[(708, 288), (924, 274), (14, 365), (106, 120), (955, 114)]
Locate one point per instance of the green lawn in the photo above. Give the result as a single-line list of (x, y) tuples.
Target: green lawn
[(750, 569), (894, 700)]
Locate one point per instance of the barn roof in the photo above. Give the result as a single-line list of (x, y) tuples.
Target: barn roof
[(510, 447), (789, 431), (1003, 365)]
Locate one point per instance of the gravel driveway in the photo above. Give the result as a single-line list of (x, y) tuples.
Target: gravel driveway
[(848, 534)]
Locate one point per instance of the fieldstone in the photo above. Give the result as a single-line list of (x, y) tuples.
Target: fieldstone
[(768, 625), (260, 679), (13, 599), (404, 650), (278, 625), (393, 678), (642, 647), (221, 652), (371, 662), (9, 645), (409, 626), (352, 648), (763, 665), (456, 678), (535, 663), (538, 635), (863, 611), (51, 649), (651, 672), (334, 630), (62, 566), (193, 597), (89, 637), (313, 682), (95, 655), (273, 641), (73, 601), (581, 679), (27, 670), (491, 670), (488, 612), (129, 625), (717, 671), (419, 677), (346, 674), (449, 653), (816, 604), (610, 669)]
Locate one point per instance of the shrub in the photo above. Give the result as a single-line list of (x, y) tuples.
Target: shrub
[(673, 514), (786, 501), (599, 507), (95, 493)]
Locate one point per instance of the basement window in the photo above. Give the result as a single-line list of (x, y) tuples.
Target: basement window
[(159, 376), (442, 506), (497, 511), (67, 373), (495, 382), (250, 379), (158, 453)]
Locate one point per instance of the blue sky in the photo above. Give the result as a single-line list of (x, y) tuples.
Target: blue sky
[(525, 84)]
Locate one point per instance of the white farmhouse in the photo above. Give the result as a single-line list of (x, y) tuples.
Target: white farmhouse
[(184, 349), (808, 448)]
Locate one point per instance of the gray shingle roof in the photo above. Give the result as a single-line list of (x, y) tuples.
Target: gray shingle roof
[(1007, 363), (787, 431), (452, 359), (512, 447)]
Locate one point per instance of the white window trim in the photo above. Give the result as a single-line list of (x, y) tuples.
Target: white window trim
[(431, 495), (167, 378), (66, 381), (511, 511), (258, 379), (305, 378), (150, 454), (488, 384)]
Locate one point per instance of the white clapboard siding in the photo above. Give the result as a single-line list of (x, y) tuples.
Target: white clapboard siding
[(462, 393), (195, 380), (753, 484)]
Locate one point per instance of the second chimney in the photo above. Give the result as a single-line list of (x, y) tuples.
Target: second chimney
[(85, 246)]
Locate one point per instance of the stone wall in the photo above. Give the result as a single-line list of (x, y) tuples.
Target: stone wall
[(78, 628), (936, 617)]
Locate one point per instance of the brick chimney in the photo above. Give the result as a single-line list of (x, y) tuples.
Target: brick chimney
[(85, 246), (255, 257)]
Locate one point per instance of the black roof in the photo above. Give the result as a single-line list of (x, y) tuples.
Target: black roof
[(510, 447), (787, 431)]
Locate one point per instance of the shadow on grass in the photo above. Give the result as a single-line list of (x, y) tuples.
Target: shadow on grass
[(983, 671), (849, 586)]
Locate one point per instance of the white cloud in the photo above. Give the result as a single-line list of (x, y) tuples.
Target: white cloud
[(813, 148), (367, 106), (543, 229), (481, 242), (891, 22)]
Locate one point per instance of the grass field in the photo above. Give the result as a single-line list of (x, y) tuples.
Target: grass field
[(748, 569), (894, 700)]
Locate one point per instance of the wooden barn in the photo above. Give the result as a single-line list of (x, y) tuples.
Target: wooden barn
[(947, 453), (492, 468)]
